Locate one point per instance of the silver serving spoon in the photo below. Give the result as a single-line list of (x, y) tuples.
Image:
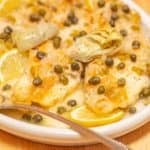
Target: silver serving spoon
[(85, 132)]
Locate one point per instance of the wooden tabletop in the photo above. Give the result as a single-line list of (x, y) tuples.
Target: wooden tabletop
[(137, 140)]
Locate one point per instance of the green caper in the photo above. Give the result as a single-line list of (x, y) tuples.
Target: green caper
[(72, 17), (64, 80), (123, 32), (42, 12), (56, 42), (114, 7), (125, 8), (37, 118), (67, 23), (61, 110), (37, 81), (6, 87), (133, 57), (145, 92), (109, 62), (114, 16), (8, 30), (81, 33), (72, 103), (58, 69), (121, 82), (121, 66), (75, 66), (35, 17), (101, 3), (132, 110), (136, 44), (6, 34), (26, 117), (94, 80), (101, 89), (40, 55), (79, 5), (112, 23)]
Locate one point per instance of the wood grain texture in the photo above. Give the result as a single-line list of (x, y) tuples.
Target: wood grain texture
[(137, 140)]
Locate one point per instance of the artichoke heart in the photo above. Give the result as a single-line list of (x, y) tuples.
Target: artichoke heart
[(95, 44)]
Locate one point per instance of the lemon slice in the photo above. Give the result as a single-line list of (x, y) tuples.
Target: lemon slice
[(85, 117), (11, 65), (7, 6)]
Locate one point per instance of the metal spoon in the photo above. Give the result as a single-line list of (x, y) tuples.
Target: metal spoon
[(85, 132)]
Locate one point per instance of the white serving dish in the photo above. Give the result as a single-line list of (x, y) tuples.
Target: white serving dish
[(62, 136)]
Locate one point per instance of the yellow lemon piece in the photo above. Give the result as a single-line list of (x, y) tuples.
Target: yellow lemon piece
[(11, 65), (89, 4), (87, 118), (7, 6)]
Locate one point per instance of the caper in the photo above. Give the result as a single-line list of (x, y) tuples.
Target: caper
[(58, 69), (61, 110), (37, 118), (133, 57), (121, 66), (125, 8), (75, 66), (64, 80), (40, 55), (123, 32), (112, 23), (101, 89), (94, 80), (136, 44), (132, 110), (114, 16), (121, 82), (79, 5), (72, 17), (26, 117), (109, 62), (4, 36), (37, 81), (67, 23), (145, 92), (101, 3), (35, 17), (8, 30), (6, 87), (56, 41), (81, 33), (72, 103), (114, 7), (42, 12)]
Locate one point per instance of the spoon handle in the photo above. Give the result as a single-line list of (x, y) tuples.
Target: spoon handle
[(85, 132)]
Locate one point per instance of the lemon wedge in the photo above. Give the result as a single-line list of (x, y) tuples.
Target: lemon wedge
[(7, 6), (87, 118), (11, 65)]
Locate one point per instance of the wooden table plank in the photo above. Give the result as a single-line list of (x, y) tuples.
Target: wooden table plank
[(137, 140)]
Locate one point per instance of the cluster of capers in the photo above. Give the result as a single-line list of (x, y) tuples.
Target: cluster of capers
[(36, 118), (62, 109)]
